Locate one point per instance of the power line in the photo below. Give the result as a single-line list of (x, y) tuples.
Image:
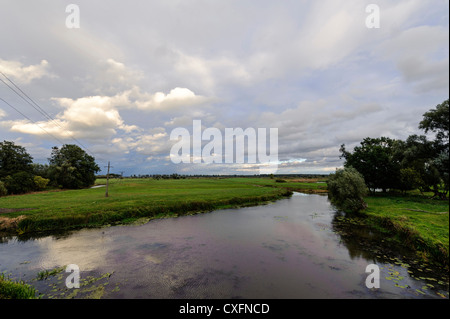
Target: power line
[(40, 111), (34, 122), (38, 108), (31, 120)]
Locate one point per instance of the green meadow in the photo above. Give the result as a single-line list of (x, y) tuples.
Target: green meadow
[(129, 199)]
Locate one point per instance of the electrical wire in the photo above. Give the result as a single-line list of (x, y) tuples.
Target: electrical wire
[(38, 108), (31, 120)]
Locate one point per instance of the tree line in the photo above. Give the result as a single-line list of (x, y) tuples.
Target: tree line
[(383, 163), (69, 167)]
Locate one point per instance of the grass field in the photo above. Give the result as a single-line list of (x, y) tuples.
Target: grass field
[(130, 199), (305, 185)]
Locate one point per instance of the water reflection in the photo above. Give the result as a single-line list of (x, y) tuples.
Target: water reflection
[(294, 248)]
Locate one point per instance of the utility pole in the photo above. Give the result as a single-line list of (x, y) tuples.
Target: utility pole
[(107, 181)]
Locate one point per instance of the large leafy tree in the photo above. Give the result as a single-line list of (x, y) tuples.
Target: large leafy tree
[(419, 162), (437, 121), (16, 170), (419, 154), (378, 160), (14, 159), (72, 167), (436, 156)]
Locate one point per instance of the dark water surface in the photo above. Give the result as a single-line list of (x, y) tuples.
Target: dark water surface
[(294, 248)]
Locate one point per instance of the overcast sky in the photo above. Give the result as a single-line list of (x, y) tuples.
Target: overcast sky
[(135, 70)]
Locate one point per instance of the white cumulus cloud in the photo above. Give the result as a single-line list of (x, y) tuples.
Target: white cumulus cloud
[(24, 73)]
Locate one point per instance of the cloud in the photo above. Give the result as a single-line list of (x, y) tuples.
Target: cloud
[(152, 143), (175, 99), (91, 118), (111, 76), (420, 57), (425, 75), (213, 72), (24, 74)]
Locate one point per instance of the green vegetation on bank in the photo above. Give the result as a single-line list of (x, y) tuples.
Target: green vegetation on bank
[(418, 221), (128, 200), (10, 289), (418, 168)]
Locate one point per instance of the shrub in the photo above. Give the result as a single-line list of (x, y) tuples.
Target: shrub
[(15, 290), (19, 183), (3, 190), (346, 190), (40, 182)]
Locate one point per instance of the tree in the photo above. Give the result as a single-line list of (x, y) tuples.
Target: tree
[(13, 159), (430, 158), (418, 155), (19, 183), (42, 170), (72, 167), (437, 121), (3, 190), (409, 179), (15, 168), (378, 160), (346, 190), (441, 163)]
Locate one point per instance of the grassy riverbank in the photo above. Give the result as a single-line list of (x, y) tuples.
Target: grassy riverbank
[(415, 220), (128, 200)]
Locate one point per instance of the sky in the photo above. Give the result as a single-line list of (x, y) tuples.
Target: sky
[(120, 76)]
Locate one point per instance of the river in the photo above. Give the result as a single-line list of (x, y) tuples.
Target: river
[(295, 248)]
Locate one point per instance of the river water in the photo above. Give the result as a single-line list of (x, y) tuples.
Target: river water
[(295, 248)]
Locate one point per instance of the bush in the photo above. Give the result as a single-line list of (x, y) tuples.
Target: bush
[(40, 182), (15, 290), (19, 183), (346, 190), (3, 190)]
